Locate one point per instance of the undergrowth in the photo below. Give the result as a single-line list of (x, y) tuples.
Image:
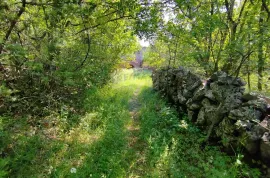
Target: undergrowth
[(174, 146), (96, 144)]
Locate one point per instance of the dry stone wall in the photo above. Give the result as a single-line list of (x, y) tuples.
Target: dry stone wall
[(239, 119)]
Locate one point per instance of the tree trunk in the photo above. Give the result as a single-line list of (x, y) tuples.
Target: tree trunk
[(260, 51), (249, 88)]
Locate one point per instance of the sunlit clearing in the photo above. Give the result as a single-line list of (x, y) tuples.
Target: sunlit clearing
[(144, 43)]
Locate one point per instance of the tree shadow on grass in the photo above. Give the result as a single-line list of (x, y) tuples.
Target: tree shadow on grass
[(36, 151), (99, 145), (174, 146), (110, 156), (126, 148)]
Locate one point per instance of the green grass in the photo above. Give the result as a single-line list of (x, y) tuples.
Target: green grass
[(107, 142), (254, 84), (174, 146)]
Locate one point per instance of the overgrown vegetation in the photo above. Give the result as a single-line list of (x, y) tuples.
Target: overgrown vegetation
[(174, 146), (93, 143), (53, 51), (98, 143), (213, 35), (64, 107)]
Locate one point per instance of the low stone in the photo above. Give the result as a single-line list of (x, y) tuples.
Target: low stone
[(251, 134), (232, 101), (250, 141), (236, 114), (239, 82), (243, 126), (265, 147), (266, 137), (219, 76), (225, 130), (249, 96), (267, 173), (206, 102), (187, 93), (181, 99), (179, 81), (241, 119), (209, 95), (217, 91), (182, 71), (221, 92), (181, 109), (189, 102), (194, 106), (245, 113), (192, 116), (259, 104), (225, 127), (242, 90), (198, 95), (196, 84), (259, 130), (201, 117), (224, 79), (268, 110), (265, 124), (175, 98), (210, 114)]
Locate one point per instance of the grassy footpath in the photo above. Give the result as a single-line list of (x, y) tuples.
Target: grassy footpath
[(128, 131), (174, 146)]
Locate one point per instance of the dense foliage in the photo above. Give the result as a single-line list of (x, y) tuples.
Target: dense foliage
[(51, 51), (212, 35), (58, 110), (107, 142)]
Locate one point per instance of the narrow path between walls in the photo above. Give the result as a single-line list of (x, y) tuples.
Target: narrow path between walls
[(152, 140), (136, 168), (129, 131)]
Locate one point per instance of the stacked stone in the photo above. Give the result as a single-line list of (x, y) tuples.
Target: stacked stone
[(179, 85), (242, 118)]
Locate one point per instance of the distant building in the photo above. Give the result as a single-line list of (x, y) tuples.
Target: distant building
[(137, 63)]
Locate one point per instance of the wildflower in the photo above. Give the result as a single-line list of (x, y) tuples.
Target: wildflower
[(211, 159), (238, 162), (183, 124), (73, 170), (50, 170)]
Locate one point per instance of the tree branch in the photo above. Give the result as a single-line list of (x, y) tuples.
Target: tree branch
[(244, 57), (229, 11), (241, 11), (97, 25), (13, 24), (87, 53), (266, 8), (88, 43)]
